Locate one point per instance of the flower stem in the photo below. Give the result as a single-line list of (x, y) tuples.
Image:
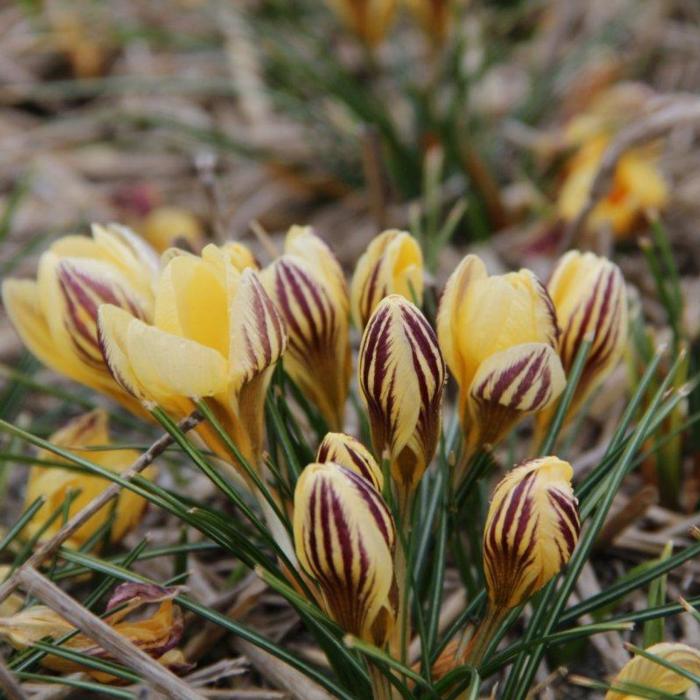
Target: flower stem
[(380, 683), (478, 645)]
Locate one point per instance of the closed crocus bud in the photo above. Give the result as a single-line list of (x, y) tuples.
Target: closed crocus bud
[(433, 17), (56, 315), (402, 375), (499, 336), (216, 333), (173, 226), (641, 672), (369, 20), (590, 299), (55, 484), (344, 538), (308, 288), (531, 530), (392, 264), (350, 453)]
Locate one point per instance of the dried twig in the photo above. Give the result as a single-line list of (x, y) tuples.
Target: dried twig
[(651, 127), (9, 684), (109, 639), (112, 491)]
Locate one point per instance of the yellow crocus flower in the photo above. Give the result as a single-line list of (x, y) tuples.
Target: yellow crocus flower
[(645, 673), (392, 264), (309, 290), (499, 337), (402, 376), (166, 226), (345, 538), (215, 333), (56, 315), (531, 530), (350, 453), (369, 20), (54, 483), (433, 17)]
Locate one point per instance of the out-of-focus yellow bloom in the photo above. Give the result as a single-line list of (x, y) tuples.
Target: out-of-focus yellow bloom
[(499, 337), (309, 290), (531, 530), (645, 673), (590, 299), (14, 602), (345, 538), (54, 483), (215, 333), (637, 186), (392, 264), (350, 453), (56, 315), (368, 19), (433, 16), (157, 634), (402, 376), (167, 226)]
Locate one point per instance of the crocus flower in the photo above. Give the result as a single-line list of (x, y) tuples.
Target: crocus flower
[(392, 264), (499, 336), (531, 530), (54, 483), (433, 17), (215, 333), (643, 673), (158, 634), (169, 225), (590, 299), (369, 20), (402, 376), (56, 315), (350, 453), (309, 290), (345, 538)]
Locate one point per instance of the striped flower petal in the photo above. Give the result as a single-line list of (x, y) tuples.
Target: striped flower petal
[(402, 375), (350, 453), (531, 530), (318, 356), (643, 672), (345, 538), (392, 264), (590, 298), (509, 385)]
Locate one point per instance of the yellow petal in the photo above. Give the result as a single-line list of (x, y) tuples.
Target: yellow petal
[(350, 453), (318, 354), (369, 20), (392, 264), (401, 375), (511, 384), (641, 671), (345, 537), (166, 226), (258, 336), (239, 255), (531, 530)]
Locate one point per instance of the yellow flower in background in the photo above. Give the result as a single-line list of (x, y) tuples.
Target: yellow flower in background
[(590, 299), (309, 290), (402, 376), (531, 530), (345, 538), (637, 185), (350, 453), (56, 315), (648, 675), (499, 337), (433, 17), (55, 484), (392, 264), (167, 226), (369, 20), (215, 333), (157, 634)]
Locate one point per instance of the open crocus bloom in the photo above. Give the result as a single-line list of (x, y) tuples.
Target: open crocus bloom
[(309, 290), (56, 315), (215, 333), (54, 483), (499, 337)]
